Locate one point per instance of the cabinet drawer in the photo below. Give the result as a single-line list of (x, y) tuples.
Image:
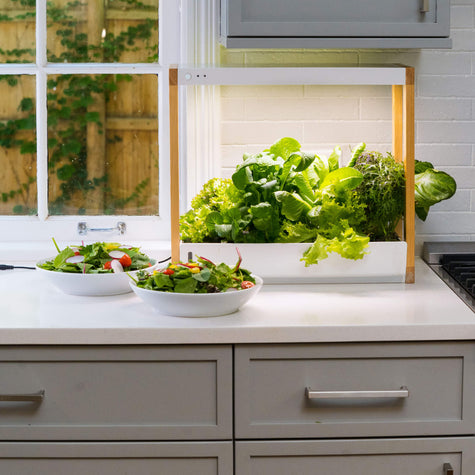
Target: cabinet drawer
[(117, 393), (171, 458), (357, 389), (330, 18), (356, 457), (334, 24)]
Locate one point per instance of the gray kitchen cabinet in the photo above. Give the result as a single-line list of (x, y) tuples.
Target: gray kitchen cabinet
[(170, 409), (117, 393), (335, 24), (307, 408), (169, 458), (356, 457), (110, 395), (354, 390)]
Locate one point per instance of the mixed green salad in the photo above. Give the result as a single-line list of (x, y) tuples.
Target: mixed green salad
[(97, 258), (200, 277), (286, 195)]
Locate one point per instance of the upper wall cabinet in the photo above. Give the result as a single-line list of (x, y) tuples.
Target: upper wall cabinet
[(335, 23)]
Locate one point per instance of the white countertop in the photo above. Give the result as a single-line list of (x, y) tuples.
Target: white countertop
[(32, 311)]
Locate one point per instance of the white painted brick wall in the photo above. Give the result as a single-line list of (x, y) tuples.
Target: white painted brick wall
[(321, 117)]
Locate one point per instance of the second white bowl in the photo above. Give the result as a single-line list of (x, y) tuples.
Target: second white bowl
[(197, 305)]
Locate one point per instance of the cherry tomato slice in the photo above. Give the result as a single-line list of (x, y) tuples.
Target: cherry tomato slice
[(125, 260)]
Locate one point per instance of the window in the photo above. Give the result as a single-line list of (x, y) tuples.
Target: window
[(84, 116)]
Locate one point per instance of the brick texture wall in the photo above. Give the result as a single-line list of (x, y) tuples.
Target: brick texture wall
[(321, 117)]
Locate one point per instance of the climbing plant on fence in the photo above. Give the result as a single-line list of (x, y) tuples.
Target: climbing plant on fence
[(71, 101)]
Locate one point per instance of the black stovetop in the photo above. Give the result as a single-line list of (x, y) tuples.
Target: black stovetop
[(454, 262)]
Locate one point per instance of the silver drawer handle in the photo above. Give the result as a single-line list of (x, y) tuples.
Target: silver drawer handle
[(35, 397), (399, 393), (448, 470)]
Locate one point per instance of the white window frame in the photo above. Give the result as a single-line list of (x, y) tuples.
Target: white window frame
[(42, 227)]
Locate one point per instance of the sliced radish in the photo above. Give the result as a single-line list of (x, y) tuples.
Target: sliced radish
[(116, 266), (74, 259), (116, 254)]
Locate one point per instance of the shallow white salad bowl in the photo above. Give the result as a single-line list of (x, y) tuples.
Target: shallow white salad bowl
[(89, 284), (197, 305)]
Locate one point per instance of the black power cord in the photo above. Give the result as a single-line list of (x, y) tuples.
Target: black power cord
[(8, 267)]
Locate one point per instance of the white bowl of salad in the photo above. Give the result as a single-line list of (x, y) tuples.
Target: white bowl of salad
[(96, 269), (196, 289)]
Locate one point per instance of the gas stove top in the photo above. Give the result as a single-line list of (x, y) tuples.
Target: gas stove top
[(454, 262)]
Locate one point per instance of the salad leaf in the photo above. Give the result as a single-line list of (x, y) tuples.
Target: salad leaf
[(334, 159), (284, 147), (323, 165), (348, 244), (356, 152), (293, 206), (304, 185), (209, 209), (60, 260), (341, 179), (186, 285), (431, 187), (263, 216), (296, 232), (255, 168)]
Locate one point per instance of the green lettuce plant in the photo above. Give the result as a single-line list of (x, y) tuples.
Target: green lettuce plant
[(283, 194)]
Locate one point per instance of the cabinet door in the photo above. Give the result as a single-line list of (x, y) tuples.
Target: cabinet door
[(336, 18), (356, 457), (214, 458), (354, 390), (116, 393)]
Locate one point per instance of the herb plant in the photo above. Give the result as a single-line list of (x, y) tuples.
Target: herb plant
[(382, 191)]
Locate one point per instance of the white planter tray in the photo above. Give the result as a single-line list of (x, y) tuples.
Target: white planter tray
[(281, 264)]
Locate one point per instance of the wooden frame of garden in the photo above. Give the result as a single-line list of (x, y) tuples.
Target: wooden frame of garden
[(400, 77)]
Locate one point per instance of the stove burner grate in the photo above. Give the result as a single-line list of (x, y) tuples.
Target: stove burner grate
[(461, 267)]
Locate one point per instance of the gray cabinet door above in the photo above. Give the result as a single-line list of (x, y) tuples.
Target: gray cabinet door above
[(299, 21)]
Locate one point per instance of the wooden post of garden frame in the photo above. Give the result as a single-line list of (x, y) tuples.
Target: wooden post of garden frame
[(409, 159), (174, 166), (403, 151)]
